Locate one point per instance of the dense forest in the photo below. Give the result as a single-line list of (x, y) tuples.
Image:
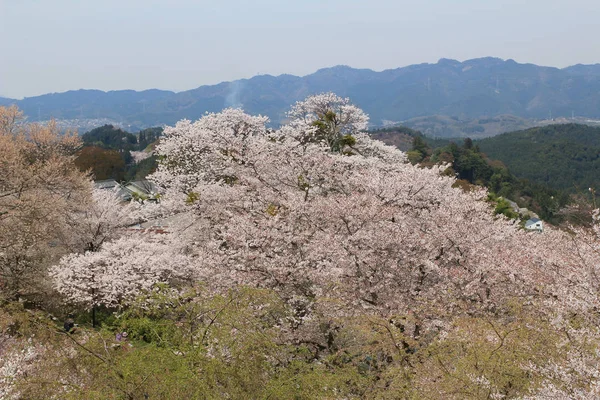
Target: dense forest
[(565, 157), (112, 153), (470, 165), (307, 262)]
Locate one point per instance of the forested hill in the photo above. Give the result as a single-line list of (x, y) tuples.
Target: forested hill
[(473, 167), (111, 153), (561, 156), (469, 89)]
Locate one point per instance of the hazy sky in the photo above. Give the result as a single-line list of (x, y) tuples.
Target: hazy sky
[(58, 45)]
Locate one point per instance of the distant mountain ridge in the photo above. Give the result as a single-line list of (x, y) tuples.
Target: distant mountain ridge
[(470, 89)]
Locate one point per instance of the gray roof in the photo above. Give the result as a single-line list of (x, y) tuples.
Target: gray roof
[(143, 186), (106, 184), (532, 221), (126, 191)]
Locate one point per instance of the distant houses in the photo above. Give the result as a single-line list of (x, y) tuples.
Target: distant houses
[(534, 224)]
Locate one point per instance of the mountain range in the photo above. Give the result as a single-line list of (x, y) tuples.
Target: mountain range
[(483, 87)]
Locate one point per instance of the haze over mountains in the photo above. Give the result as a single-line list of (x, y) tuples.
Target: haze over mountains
[(465, 90)]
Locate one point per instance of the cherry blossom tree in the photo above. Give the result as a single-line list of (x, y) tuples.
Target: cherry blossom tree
[(120, 270), (342, 228), (103, 218), (39, 188), (329, 119), (295, 215), (299, 214), (205, 149)]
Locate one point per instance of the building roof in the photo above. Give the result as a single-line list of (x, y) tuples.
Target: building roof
[(127, 191), (534, 223), (141, 187), (106, 184)]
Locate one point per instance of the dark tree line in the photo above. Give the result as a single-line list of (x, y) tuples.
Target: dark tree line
[(470, 165), (564, 157), (107, 153)]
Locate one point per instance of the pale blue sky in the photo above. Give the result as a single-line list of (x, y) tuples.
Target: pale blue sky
[(58, 45)]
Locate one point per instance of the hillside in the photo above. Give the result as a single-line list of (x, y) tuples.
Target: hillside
[(4, 101), (473, 167), (442, 126), (485, 87), (561, 156), (316, 267), (109, 152), (399, 136)]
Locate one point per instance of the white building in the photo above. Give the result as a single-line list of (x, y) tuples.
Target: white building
[(534, 224)]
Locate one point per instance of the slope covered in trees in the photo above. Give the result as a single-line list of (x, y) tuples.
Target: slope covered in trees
[(443, 126), (565, 157), (308, 262), (112, 153), (472, 166), (399, 136), (110, 137)]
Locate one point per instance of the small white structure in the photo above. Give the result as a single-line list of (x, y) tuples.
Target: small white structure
[(534, 224)]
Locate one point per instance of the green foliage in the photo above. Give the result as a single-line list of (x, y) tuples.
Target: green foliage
[(194, 345), (103, 163), (420, 145), (148, 136), (419, 151), (414, 156), (192, 197), (115, 141), (110, 137), (272, 210), (328, 132), (473, 166), (563, 157), (142, 169), (202, 345), (303, 183), (347, 140), (486, 358), (468, 144), (503, 207)]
